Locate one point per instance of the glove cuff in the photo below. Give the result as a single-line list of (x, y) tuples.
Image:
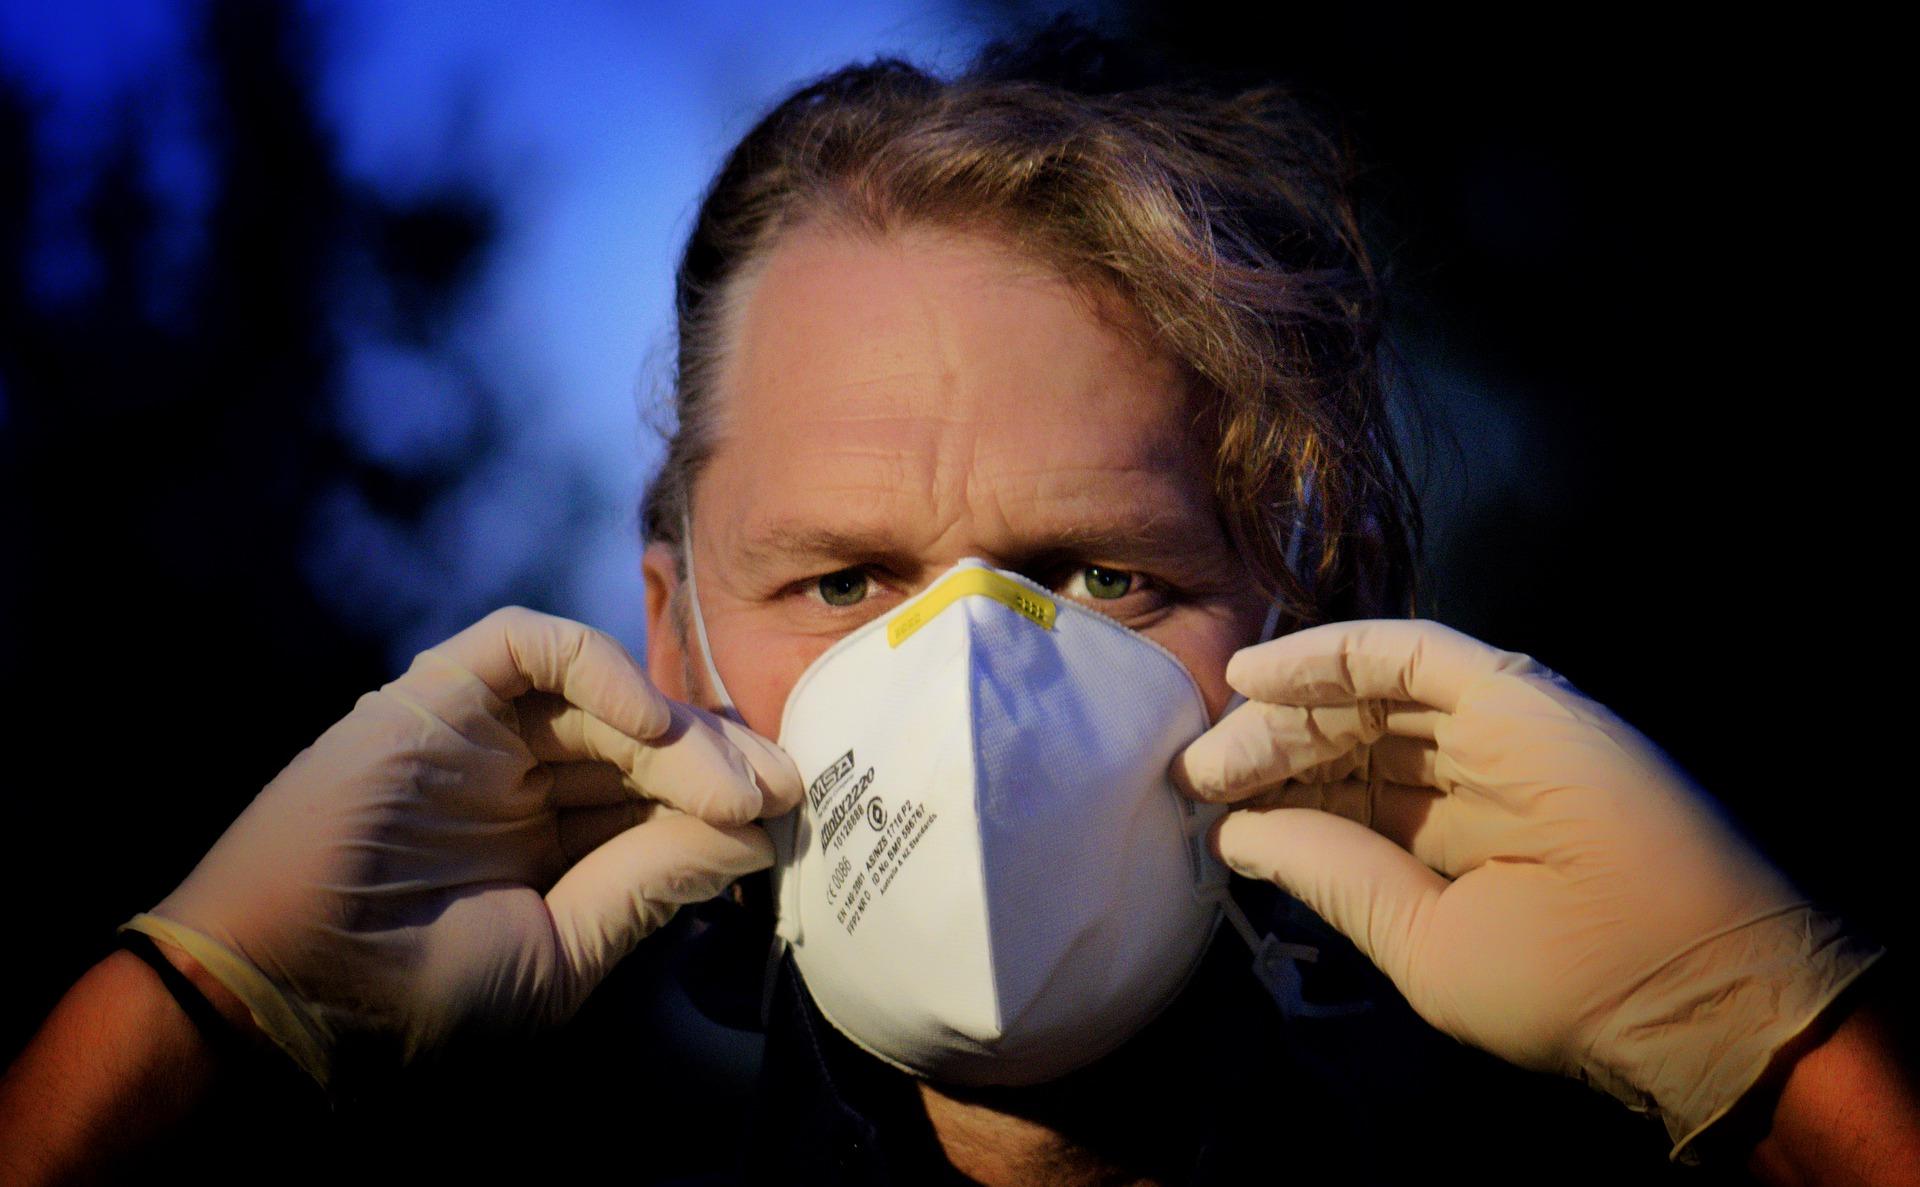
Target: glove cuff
[(277, 1016), (1695, 1037)]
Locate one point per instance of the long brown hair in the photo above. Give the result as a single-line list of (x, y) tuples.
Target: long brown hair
[(1222, 214)]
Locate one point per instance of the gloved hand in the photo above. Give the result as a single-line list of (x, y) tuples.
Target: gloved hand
[(474, 845), (1536, 877)]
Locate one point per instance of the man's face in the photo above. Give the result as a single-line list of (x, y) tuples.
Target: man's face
[(892, 405)]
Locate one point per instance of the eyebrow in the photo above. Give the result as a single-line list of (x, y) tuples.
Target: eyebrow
[(783, 543), (1160, 540)]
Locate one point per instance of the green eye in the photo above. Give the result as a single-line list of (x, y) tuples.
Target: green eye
[(845, 588), (1107, 584)]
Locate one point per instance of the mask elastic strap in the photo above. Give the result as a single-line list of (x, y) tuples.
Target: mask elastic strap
[(1276, 963), (1272, 622), (1297, 538), (1291, 556), (700, 622), (781, 829)]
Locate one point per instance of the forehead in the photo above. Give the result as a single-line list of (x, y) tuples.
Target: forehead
[(934, 383)]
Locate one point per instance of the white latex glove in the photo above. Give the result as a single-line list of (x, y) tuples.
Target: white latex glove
[(1536, 877), (474, 845)]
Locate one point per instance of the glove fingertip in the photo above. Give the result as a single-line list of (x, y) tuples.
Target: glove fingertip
[(656, 713), (1196, 778), (737, 798), (1244, 666), (777, 776), (1262, 672), (756, 851), (771, 768), (782, 794), (1223, 765), (1232, 839), (739, 802)]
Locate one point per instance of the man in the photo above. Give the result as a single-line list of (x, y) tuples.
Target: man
[(1085, 361)]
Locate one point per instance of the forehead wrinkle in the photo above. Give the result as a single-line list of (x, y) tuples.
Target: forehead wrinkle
[(1115, 517), (1150, 514), (928, 461), (955, 452), (877, 430), (1102, 525), (1157, 489)]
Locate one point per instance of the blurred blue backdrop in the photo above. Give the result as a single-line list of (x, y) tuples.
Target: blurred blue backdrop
[(585, 132)]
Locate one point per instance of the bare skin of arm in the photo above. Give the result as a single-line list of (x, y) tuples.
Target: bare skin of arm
[(1848, 1113), (116, 1066)]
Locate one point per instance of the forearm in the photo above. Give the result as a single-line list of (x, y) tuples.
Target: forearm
[(1848, 1111), (116, 1066)]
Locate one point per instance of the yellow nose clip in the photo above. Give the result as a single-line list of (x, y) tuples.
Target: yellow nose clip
[(969, 583)]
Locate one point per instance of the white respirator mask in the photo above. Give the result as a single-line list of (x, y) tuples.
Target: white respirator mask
[(992, 879)]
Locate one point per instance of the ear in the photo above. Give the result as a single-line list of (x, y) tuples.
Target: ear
[(666, 642)]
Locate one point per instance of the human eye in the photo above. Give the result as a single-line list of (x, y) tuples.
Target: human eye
[(842, 587), (1112, 590), (1102, 583), (1128, 596)]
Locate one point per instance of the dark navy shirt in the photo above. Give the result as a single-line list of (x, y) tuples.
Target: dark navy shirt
[(1221, 1089)]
